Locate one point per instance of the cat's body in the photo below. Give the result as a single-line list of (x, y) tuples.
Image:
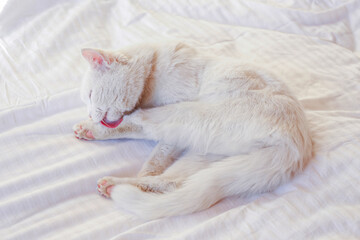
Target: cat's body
[(224, 127)]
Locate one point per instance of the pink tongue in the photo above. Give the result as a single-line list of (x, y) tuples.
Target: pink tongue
[(111, 124)]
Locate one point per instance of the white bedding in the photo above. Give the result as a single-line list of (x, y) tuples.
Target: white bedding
[(48, 178)]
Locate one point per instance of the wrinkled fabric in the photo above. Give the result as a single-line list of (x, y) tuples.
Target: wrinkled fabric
[(48, 178)]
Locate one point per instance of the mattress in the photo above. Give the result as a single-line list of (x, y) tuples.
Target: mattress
[(48, 177)]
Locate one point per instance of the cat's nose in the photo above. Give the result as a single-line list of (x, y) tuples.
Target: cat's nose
[(90, 116)]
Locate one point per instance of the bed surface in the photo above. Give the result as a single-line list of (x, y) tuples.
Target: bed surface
[(48, 177)]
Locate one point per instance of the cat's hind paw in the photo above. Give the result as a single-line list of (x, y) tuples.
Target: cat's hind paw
[(105, 185), (81, 132)]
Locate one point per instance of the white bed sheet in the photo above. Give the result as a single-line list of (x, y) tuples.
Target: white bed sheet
[(48, 178)]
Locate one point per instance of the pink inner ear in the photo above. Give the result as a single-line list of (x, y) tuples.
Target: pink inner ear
[(93, 56), (98, 60)]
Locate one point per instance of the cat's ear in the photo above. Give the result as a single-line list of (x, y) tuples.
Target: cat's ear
[(94, 57), (98, 58)]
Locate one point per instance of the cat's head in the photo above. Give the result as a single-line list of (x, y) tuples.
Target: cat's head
[(113, 86)]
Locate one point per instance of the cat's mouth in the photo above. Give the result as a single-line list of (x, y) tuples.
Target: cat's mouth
[(111, 124)]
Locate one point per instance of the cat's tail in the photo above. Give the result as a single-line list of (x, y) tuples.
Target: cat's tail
[(258, 171)]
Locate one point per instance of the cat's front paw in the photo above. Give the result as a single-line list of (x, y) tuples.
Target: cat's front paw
[(83, 131)]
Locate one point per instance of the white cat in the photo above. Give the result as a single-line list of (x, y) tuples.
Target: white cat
[(224, 127)]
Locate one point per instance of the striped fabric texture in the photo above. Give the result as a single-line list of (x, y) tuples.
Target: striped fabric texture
[(48, 177)]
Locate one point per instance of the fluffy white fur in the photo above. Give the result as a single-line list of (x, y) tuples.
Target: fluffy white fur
[(224, 127)]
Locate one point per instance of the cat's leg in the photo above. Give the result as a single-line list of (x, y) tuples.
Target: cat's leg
[(160, 159), (152, 124), (188, 125), (157, 184), (172, 178), (89, 130)]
